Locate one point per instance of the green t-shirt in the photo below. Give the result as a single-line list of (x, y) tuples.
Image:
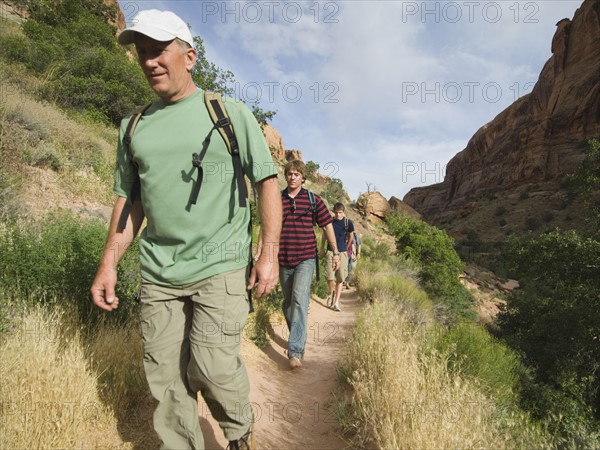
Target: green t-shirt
[(184, 243)]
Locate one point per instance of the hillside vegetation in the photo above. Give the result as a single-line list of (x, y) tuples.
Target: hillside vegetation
[(418, 372)]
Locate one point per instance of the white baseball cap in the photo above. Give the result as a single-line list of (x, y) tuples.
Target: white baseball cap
[(159, 25)]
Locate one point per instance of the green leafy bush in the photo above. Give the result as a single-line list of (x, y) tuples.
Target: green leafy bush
[(440, 266), (554, 319), (586, 182), (375, 250), (334, 192), (71, 46), (475, 353), (55, 260)]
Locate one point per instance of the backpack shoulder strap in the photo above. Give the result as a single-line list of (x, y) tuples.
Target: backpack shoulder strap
[(135, 189), (133, 122), (313, 205), (218, 114), (312, 202)]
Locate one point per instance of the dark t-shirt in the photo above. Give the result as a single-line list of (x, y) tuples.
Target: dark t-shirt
[(341, 234)]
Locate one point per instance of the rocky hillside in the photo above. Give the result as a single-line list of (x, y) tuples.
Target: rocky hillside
[(525, 152)]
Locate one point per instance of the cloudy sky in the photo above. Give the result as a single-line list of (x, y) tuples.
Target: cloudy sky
[(378, 93)]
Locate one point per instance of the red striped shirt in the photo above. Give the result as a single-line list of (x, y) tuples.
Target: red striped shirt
[(298, 242)]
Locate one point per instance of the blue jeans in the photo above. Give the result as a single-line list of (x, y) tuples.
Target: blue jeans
[(295, 282)]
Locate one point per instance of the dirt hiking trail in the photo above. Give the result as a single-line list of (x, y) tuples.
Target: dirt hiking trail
[(292, 408)]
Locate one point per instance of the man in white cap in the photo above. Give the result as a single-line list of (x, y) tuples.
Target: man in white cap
[(194, 256)]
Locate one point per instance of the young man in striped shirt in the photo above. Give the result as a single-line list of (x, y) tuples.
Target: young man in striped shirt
[(297, 254)]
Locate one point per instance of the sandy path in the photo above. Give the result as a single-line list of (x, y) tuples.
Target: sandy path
[(291, 407)]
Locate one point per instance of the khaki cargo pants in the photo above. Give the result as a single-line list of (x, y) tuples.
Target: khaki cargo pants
[(191, 337)]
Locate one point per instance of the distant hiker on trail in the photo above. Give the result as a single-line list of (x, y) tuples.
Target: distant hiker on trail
[(353, 253), (343, 229), (298, 254), (194, 298)]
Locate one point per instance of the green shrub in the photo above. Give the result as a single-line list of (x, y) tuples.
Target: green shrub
[(585, 181), (554, 319), (475, 353), (258, 327), (55, 259), (334, 192), (375, 250), (312, 168), (440, 266), (72, 48)]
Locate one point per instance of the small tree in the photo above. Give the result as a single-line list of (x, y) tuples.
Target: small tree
[(312, 168), (554, 318), (334, 193)]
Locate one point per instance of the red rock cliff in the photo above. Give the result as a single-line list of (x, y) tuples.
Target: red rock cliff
[(541, 136)]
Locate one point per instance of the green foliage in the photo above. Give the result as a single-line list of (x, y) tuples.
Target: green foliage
[(440, 265), (207, 75), (56, 259), (554, 319), (320, 288), (262, 116), (312, 168), (475, 353), (586, 181), (375, 250), (259, 328), (334, 192), (73, 49)]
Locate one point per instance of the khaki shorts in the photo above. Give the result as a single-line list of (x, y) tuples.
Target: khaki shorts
[(342, 272)]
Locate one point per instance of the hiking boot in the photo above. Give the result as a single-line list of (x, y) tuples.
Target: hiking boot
[(246, 442), (295, 362), (337, 308)]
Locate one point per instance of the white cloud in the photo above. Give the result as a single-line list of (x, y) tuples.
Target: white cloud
[(412, 83)]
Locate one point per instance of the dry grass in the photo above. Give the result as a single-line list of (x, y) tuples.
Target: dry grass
[(115, 355), (403, 394), (405, 397), (49, 395), (59, 390)]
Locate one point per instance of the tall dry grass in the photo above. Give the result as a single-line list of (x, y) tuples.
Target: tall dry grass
[(60, 390), (403, 393), (404, 397)]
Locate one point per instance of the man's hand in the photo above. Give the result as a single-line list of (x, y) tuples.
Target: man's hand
[(264, 275), (335, 262), (103, 289)]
